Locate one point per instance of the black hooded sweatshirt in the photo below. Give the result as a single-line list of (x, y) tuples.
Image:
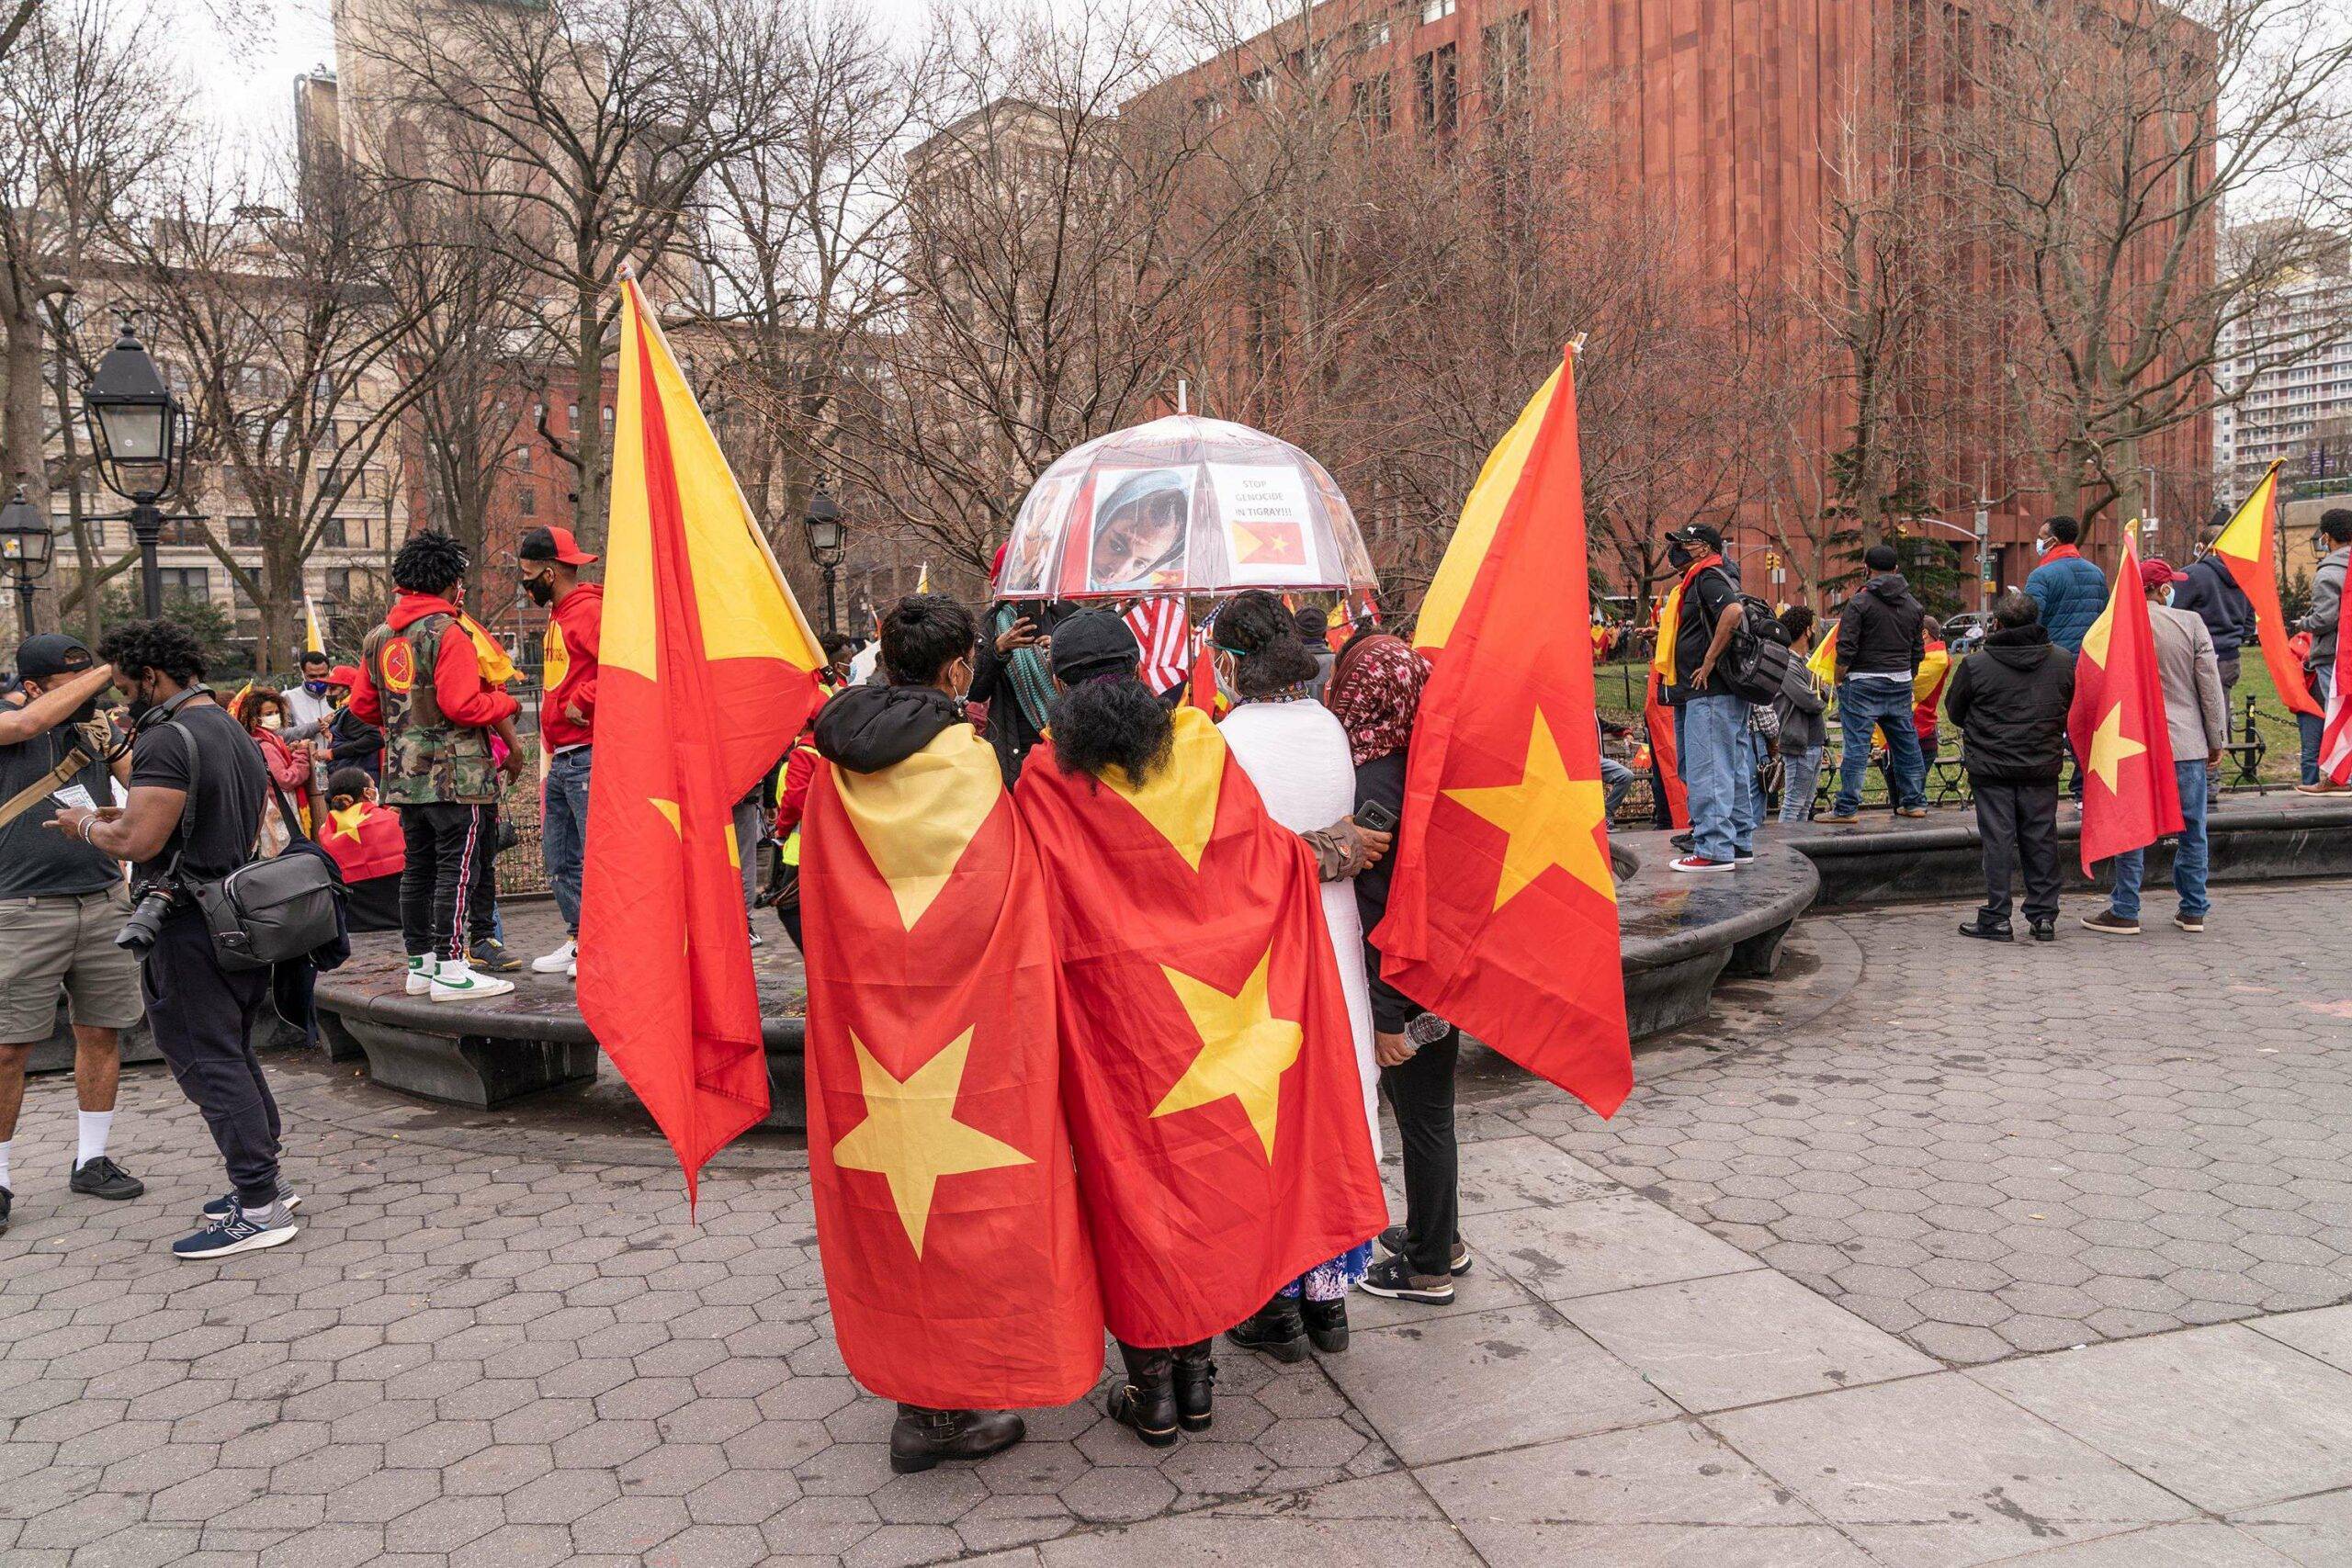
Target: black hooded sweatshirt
[(868, 728), (2011, 699), (1881, 632)]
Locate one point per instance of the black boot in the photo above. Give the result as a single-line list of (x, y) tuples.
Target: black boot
[(920, 1438), (2045, 930), (1195, 1383), (1275, 1328), (1986, 930), (1146, 1402), (1327, 1324)]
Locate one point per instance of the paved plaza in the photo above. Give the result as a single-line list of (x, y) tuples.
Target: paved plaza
[(1923, 1254)]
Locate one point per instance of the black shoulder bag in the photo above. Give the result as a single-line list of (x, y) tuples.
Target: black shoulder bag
[(272, 909)]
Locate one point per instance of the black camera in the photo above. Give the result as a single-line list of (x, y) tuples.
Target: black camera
[(146, 924)]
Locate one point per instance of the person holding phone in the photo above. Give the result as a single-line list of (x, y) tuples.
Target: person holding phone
[(1376, 691), (60, 905)]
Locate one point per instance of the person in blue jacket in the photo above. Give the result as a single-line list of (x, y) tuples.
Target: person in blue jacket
[(2070, 592)]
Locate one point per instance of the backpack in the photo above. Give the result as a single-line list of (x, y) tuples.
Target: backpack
[(1755, 668)]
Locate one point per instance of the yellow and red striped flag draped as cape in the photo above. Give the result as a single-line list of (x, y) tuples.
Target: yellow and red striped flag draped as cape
[(1502, 910), (2249, 548), (708, 671)]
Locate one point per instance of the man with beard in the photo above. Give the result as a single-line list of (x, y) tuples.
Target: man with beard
[(550, 559), (61, 903)]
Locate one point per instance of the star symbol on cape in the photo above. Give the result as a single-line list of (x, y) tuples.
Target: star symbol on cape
[(2110, 747), (1552, 820), (911, 1136), (1245, 1050)]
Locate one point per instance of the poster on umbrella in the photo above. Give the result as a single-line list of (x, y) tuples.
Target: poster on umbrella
[(1140, 520), (1267, 535), (1041, 520)]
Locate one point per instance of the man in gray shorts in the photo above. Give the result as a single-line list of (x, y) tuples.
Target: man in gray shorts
[(61, 904)]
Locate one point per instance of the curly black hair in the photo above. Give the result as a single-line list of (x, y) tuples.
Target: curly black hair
[(1264, 639), (137, 647), (1111, 722), (922, 635), (430, 562)]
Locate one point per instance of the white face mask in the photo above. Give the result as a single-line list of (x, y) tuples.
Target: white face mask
[(2167, 598), (2042, 547)]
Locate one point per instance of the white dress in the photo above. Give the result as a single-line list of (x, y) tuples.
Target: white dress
[(1296, 754)]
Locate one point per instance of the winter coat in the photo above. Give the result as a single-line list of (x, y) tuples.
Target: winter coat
[(2215, 597), (2009, 699), (868, 728), (2071, 593), (2327, 601), (1881, 631)]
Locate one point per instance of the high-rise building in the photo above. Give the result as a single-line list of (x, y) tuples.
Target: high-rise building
[(2287, 368)]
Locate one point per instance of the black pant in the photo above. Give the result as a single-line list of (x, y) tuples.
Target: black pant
[(1421, 1091), (448, 845), (2017, 825), (203, 1019), (482, 892)]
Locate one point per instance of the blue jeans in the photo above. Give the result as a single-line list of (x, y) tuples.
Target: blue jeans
[(1800, 773), (1717, 751), (1616, 778), (563, 830), (2313, 726), (2189, 854), (1865, 705)]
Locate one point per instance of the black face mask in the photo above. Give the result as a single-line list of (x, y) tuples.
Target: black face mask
[(541, 589), (1678, 556)]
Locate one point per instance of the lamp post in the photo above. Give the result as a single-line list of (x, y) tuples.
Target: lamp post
[(828, 542), (27, 547), (139, 432)]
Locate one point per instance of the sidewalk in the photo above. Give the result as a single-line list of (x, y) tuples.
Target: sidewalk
[(498, 1342)]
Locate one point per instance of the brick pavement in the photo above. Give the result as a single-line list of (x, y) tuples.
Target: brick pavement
[(498, 1342)]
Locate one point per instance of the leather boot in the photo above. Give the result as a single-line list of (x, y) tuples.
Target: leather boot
[(920, 1438), (1146, 1402), (1195, 1385), (1327, 1324), (1275, 1328)]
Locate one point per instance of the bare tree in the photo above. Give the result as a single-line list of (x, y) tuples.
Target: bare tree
[(289, 346), (599, 123), (2104, 144)]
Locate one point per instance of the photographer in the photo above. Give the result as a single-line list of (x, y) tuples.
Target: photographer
[(202, 1014), (60, 905)]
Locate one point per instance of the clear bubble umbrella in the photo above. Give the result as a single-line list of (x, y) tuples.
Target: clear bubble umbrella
[(1184, 505)]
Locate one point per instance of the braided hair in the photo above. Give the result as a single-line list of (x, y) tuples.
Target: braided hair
[(430, 562)]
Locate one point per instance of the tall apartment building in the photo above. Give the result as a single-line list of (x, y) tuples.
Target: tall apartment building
[(2289, 409)]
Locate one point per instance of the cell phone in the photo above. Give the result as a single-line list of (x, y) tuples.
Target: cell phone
[(1371, 814)]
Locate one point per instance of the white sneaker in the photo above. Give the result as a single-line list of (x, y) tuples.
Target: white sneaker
[(420, 976), (758, 941), (572, 970), (556, 963), (458, 983)]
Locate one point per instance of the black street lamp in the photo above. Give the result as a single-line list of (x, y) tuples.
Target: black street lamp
[(139, 432), (27, 547), (828, 542)]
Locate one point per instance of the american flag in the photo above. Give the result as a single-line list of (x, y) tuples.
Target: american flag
[(2335, 734), (1158, 626)]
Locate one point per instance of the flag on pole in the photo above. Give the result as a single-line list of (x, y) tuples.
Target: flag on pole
[(2131, 796), (708, 671), (1158, 626), (313, 638), (2335, 735), (1502, 906), (2248, 545), (922, 584)]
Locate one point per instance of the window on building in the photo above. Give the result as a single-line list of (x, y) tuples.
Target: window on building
[(186, 581), (608, 419), (529, 503), (523, 459), (244, 531), (571, 415), (1259, 86), (1505, 48), (335, 535), (1435, 10), (1369, 101), (1435, 87), (183, 531), (1374, 34)]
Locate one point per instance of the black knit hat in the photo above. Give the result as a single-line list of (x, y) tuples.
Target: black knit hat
[(1091, 644)]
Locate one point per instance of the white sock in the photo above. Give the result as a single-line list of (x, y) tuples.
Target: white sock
[(93, 1125), (4, 1147)]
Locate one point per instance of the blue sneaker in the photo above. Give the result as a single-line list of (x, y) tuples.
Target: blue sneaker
[(237, 1233), (222, 1207)]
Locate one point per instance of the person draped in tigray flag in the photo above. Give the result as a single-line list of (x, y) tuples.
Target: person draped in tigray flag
[(421, 682)]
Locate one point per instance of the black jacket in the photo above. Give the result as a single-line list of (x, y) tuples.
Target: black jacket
[(1882, 629), (2009, 699), (353, 742), (868, 728), (1380, 780), (2214, 596)]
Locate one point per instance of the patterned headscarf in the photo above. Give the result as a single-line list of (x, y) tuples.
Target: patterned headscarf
[(1375, 690)]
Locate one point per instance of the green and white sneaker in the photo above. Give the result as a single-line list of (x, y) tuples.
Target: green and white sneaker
[(458, 982), (420, 975)]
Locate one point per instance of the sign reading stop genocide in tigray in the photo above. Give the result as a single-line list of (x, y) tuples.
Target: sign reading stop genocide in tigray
[(1264, 510)]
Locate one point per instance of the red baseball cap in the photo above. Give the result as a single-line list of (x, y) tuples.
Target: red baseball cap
[(344, 675), (552, 543), (2155, 572)]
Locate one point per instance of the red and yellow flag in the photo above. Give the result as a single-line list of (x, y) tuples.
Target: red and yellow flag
[(1502, 910), (708, 669), (2131, 796), (1658, 720), (956, 1258), (1209, 1065), (2249, 548)]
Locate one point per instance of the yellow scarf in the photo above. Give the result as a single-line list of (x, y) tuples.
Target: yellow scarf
[(496, 666), (1669, 620)]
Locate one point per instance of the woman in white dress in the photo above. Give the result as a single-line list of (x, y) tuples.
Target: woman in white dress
[(1296, 753)]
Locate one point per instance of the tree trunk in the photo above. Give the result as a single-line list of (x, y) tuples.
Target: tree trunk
[(22, 426), (588, 431)]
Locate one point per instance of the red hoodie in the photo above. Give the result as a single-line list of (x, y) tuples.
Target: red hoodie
[(570, 644), (465, 698)]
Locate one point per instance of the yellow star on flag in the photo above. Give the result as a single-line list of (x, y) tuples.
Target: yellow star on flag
[(1245, 1050), (2110, 747), (1552, 820), (911, 1136)]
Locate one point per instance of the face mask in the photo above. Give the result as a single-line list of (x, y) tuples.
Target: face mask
[(271, 721), (541, 589), (2167, 598), (2042, 547), (316, 688), (1678, 556), (137, 704)]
